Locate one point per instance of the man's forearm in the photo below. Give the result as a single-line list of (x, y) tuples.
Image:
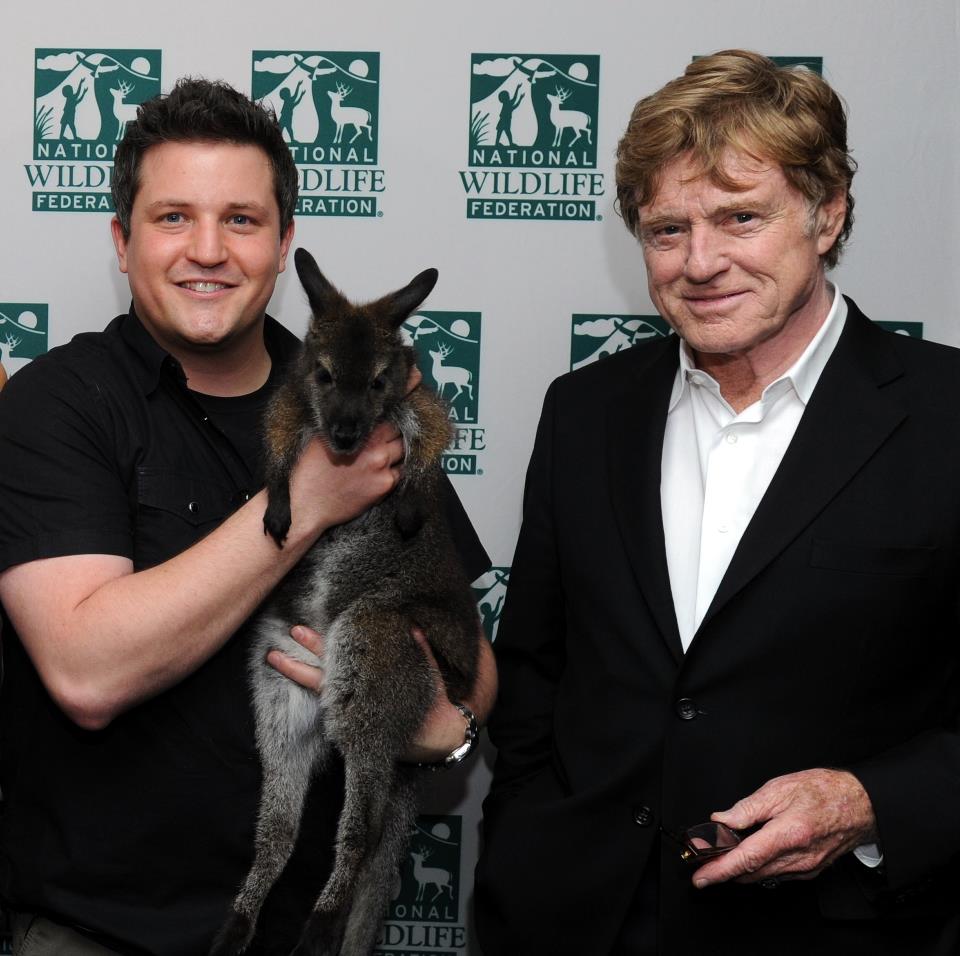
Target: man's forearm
[(104, 638)]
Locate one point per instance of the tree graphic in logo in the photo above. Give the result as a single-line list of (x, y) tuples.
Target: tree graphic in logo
[(322, 99), (89, 97), (23, 330), (428, 889), (490, 590), (536, 101), (594, 337), (448, 353)]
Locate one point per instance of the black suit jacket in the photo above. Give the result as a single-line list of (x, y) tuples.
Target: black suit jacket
[(832, 642)]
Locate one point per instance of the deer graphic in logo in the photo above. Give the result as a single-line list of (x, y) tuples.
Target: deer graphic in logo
[(355, 116), (563, 119), (123, 112), (430, 876), (444, 375)]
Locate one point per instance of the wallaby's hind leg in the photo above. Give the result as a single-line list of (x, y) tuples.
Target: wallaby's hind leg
[(376, 655), (291, 743), (376, 881)]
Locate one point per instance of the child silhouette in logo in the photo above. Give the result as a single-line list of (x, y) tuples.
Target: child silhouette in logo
[(70, 102), (290, 101), (507, 105)]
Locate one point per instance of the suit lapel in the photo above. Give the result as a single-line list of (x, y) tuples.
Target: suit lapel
[(847, 419), (636, 420)]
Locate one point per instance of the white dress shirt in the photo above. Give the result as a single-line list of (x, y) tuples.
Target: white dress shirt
[(716, 467)]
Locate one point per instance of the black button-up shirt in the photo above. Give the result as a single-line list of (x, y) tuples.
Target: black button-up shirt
[(141, 832)]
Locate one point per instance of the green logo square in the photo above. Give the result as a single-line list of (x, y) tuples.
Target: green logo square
[(328, 104), (594, 336), (533, 110), (23, 330), (83, 100)]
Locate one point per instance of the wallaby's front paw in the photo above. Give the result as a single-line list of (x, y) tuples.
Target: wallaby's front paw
[(234, 936), (276, 519)]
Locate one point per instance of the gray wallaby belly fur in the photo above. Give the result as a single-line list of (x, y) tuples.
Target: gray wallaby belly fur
[(364, 585)]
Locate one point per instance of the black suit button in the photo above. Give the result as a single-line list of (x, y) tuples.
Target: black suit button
[(686, 708), (642, 816)]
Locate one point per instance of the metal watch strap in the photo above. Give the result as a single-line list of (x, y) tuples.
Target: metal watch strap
[(471, 737)]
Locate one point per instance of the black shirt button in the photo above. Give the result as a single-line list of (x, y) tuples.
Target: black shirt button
[(642, 816), (686, 708), (193, 507)]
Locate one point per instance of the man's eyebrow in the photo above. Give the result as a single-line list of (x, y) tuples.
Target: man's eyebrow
[(249, 205)]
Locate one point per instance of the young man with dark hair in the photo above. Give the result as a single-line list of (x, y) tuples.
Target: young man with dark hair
[(132, 549)]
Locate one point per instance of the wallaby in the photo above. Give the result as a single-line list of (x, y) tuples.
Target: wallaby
[(364, 585)]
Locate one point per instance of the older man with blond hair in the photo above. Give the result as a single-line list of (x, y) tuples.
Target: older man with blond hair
[(729, 659)]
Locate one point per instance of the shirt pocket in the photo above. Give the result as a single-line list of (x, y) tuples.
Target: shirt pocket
[(898, 560), (175, 510)]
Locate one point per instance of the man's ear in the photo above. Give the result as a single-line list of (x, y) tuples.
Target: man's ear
[(285, 241), (829, 221), (119, 243)]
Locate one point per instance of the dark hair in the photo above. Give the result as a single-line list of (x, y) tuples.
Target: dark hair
[(198, 110), (742, 100)]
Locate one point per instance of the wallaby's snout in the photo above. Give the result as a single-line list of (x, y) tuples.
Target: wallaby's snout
[(346, 436)]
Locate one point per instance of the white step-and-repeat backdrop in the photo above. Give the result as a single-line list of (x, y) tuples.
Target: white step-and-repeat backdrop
[(477, 138)]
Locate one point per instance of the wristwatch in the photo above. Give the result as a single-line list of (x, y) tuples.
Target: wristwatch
[(471, 737)]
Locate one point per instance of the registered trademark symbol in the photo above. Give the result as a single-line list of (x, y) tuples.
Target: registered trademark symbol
[(379, 214), (479, 471), (599, 217)]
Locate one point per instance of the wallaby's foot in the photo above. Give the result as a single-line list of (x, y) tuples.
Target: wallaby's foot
[(321, 936), (234, 936)]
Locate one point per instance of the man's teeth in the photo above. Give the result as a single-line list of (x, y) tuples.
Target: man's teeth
[(203, 286)]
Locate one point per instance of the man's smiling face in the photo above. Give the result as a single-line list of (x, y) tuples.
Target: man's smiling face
[(205, 248), (734, 271)]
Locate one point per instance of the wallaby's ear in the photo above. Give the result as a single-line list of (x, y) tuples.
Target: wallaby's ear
[(398, 305), (322, 295)]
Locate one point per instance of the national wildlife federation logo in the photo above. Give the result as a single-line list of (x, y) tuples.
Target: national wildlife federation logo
[(532, 147), (328, 107), (913, 329), (490, 590), (425, 913), (83, 100), (448, 354), (23, 332), (594, 337)]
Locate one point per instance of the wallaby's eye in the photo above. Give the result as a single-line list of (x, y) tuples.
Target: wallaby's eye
[(323, 376), (378, 384)]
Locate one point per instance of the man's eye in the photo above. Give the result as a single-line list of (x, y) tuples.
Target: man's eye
[(742, 218), (173, 217), (670, 230), (378, 384), (324, 377), (240, 220)]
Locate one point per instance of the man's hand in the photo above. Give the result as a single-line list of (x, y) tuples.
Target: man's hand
[(809, 819), (443, 728), (330, 489)]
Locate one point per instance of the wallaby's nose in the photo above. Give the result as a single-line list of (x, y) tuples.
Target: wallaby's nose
[(344, 435)]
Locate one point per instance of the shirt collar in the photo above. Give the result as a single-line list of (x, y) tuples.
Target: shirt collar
[(802, 376), (151, 358)]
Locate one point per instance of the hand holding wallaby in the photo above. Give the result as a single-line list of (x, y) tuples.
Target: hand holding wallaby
[(365, 585)]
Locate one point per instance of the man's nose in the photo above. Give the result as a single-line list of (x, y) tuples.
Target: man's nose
[(207, 247), (706, 253)]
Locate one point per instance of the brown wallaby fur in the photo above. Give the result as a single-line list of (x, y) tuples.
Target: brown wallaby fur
[(364, 585)]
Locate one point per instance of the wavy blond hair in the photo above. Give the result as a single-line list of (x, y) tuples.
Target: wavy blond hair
[(740, 100)]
